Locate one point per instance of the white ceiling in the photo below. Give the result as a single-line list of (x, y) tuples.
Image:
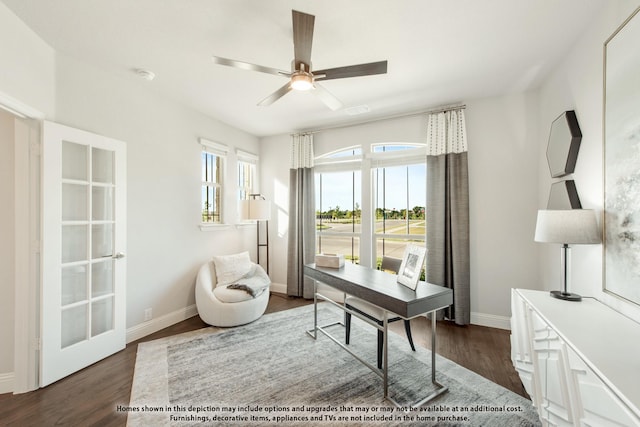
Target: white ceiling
[(440, 52)]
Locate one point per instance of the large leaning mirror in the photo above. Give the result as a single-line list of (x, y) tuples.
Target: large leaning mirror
[(621, 258)]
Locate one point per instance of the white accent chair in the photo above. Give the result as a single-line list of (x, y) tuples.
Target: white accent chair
[(223, 307)]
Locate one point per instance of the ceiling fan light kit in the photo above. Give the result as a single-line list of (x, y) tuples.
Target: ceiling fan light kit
[(301, 80), (302, 77)]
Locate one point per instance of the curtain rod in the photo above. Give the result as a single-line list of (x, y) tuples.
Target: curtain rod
[(416, 113), (445, 109)]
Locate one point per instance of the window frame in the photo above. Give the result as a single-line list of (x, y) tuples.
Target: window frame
[(415, 154), (221, 152), (367, 163), (252, 160), (330, 163)]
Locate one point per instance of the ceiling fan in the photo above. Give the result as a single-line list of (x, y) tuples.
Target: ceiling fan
[(302, 76)]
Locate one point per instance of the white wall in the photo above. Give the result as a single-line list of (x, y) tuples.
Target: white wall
[(577, 85), (165, 244), (503, 184), (7, 240), (274, 184), (27, 72)]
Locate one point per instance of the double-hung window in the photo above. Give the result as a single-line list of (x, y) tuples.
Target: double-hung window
[(247, 174), (213, 160)]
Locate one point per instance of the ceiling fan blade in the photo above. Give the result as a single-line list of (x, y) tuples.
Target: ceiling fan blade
[(275, 95), (351, 71), (327, 97), (302, 38), (248, 66)]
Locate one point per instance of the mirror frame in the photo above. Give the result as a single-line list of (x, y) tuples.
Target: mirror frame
[(564, 195), (563, 145), (621, 164)]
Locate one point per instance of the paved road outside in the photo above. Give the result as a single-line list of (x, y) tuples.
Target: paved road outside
[(392, 247)]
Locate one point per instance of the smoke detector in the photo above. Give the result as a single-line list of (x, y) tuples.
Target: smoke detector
[(145, 74)]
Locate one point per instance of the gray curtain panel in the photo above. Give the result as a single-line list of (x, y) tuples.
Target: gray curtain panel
[(302, 228), (448, 212)]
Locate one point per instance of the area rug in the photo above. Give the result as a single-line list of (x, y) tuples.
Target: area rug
[(271, 372)]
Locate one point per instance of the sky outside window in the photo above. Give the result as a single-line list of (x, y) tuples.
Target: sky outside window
[(404, 187), (339, 190)]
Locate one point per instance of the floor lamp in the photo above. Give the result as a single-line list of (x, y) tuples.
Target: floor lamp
[(257, 208), (567, 227)]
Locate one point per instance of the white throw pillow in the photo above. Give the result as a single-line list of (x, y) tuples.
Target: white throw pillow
[(230, 268)]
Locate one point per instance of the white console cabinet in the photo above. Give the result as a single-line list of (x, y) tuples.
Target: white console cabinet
[(579, 361)]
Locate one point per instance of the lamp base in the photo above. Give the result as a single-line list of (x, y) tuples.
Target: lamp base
[(567, 296)]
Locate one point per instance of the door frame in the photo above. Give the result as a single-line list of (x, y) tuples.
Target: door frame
[(27, 169)]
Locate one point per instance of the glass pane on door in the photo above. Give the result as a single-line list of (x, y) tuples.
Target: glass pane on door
[(101, 316), (74, 325), (74, 243), (74, 284), (102, 203), (101, 240), (74, 202), (74, 161), (101, 278), (102, 166)]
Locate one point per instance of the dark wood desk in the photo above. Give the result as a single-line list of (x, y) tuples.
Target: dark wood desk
[(383, 290)]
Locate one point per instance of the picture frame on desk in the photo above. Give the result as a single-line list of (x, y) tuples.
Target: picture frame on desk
[(411, 267)]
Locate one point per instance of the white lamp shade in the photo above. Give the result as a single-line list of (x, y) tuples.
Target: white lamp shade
[(255, 209), (573, 226)]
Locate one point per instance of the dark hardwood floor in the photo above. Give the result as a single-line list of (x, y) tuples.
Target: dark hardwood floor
[(90, 397)]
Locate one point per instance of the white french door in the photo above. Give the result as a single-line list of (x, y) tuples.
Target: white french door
[(83, 243)]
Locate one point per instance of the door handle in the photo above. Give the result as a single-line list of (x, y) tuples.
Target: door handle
[(119, 255)]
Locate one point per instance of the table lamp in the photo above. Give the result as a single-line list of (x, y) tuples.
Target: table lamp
[(567, 227)]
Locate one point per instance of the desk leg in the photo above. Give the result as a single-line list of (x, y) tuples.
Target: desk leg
[(385, 354), (439, 387), (433, 347), (315, 311), (344, 317)]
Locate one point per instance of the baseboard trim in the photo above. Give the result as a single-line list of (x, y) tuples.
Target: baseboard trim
[(6, 382), (279, 288), (491, 321), (146, 328)]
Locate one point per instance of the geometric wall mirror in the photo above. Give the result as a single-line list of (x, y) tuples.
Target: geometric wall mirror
[(564, 143), (564, 195)]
